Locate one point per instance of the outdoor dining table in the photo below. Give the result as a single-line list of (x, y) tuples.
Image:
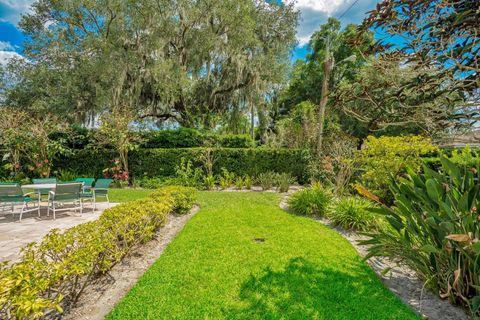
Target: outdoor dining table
[(38, 187)]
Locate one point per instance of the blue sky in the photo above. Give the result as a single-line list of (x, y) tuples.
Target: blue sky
[(313, 14)]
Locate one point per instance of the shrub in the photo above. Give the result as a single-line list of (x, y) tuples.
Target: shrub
[(150, 183), (191, 138), (386, 156), (209, 182), (226, 179), (163, 162), (353, 213), (53, 273), (186, 175), (183, 197), (239, 183), (311, 201), (267, 180), (435, 230), (248, 182), (284, 181)]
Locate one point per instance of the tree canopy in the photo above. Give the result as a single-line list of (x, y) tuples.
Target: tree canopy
[(185, 60)]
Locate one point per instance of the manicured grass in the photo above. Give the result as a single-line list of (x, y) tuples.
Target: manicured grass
[(242, 257), (124, 195)]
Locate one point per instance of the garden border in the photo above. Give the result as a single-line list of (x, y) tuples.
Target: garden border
[(401, 280), (102, 295)]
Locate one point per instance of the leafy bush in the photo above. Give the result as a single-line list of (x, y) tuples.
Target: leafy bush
[(66, 175), (209, 182), (186, 175), (311, 201), (226, 179), (163, 162), (247, 180), (191, 138), (284, 181), (435, 230), (151, 183), (386, 156), (353, 213), (267, 180), (239, 183), (53, 273), (183, 197)]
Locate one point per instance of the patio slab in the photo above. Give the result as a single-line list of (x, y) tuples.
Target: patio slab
[(15, 234)]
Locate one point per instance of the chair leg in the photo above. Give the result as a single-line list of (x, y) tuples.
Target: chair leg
[(94, 204), (53, 206), (108, 200), (21, 212), (81, 207), (38, 210)]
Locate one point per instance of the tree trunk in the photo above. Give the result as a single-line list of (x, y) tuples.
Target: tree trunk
[(327, 69)]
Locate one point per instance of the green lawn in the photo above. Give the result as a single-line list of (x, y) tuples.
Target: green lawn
[(242, 257)]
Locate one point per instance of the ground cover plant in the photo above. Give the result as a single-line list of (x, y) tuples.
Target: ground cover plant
[(242, 257), (311, 201)]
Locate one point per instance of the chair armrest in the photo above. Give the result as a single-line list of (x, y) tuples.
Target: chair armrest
[(29, 193), (103, 189)]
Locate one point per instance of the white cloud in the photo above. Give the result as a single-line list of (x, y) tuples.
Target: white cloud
[(11, 10), (6, 46), (316, 12), (6, 56)]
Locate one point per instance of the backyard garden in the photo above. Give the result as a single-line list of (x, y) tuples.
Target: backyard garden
[(171, 160)]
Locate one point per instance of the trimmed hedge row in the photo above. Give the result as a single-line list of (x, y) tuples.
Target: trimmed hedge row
[(162, 162), (191, 138), (53, 273)]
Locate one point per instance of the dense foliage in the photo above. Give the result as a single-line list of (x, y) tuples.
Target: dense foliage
[(184, 61), (435, 230), (53, 273), (353, 213), (312, 201), (386, 157)]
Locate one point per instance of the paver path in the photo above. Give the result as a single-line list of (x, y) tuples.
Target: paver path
[(15, 234)]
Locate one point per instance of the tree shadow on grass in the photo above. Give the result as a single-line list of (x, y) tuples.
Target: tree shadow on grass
[(302, 290)]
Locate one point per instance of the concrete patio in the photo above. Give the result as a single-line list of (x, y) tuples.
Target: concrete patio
[(15, 234)]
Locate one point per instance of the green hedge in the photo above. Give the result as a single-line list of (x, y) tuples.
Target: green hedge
[(191, 138), (53, 273), (162, 162)]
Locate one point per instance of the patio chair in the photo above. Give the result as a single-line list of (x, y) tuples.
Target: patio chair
[(87, 183), (100, 190), (44, 192), (65, 193), (12, 194)]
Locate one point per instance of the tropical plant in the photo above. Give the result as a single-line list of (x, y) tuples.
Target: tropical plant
[(248, 182), (209, 181), (353, 213), (314, 200), (284, 181), (434, 229), (239, 182), (267, 180), (66, 175), (226, 179), (186, 175)]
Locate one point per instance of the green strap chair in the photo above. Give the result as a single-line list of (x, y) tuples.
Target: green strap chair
[(87, 183), (65, 193), (12, 194), (99, 190), (44, 192)]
